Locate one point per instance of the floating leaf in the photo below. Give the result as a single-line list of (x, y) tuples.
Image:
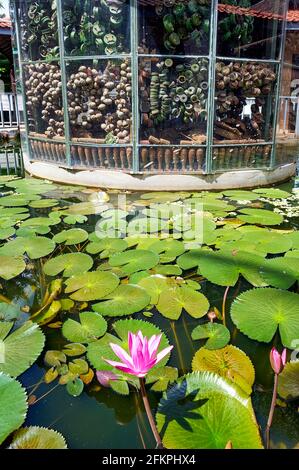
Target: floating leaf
[(288, 381), (6, 233), (161, 378), (35, 247), (67, 304), (240, 195), (203, 411), (91, 286), (228, 362), (259, 312), (9, 312), (124, 300), (154, 285), (17, 200), (91, 326), (217, 335), (11, 267), (174, 299), (78, 366), (273, 193), (35, 437), (54, 358), (21, 347), (134, 260), (75, 387), (106, 246), (43, 203), (167, 270), (280, 272), (70, 264), (13, 407), (75, 219), (51, 375), (260, 216), (86, 208), (74, 349), (72, 236)]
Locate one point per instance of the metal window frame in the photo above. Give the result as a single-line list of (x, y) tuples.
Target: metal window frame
[(134, 57)]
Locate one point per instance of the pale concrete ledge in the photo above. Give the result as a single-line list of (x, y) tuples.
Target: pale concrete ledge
[(109, 179)]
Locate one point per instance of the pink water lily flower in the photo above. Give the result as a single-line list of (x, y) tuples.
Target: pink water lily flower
[(143, 354), (278, 361)]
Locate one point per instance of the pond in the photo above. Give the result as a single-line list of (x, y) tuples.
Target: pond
[(217, 273)]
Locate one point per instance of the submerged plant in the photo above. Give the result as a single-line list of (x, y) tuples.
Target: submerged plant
[(142, 358), (278, 361)]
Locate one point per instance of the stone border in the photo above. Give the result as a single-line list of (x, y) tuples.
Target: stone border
[(111, 179)]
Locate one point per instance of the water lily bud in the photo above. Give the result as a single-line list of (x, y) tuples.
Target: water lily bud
[(277, 360)]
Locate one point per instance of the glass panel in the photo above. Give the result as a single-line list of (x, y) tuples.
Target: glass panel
[(245, 101), (157, 159), (287, 131), (44, 99), (54, 152), (174, 27), (38, 29), (99, 100), (102, 157), (250, 28), (246, 156), (173, 100), (96, 28)]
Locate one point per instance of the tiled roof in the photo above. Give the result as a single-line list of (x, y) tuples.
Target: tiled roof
[(5, 23)]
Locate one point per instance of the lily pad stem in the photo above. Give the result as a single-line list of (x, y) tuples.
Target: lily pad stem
[(271, 413), (149, 414), (223, 306)]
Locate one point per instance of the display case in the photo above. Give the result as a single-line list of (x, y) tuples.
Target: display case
[(152, 86)]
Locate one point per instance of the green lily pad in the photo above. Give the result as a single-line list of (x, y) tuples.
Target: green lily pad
[(86, 208), (260, 216), (240, 195), (70, 264), (35, 437), (35, 247), (9, 312), (228, 362), (280, 272), (21, 347), (75, 219), (17, 200), (273, 193), (40, 221), (43, 203), (124, 300), (146, 225), (91, 327), (217, 335), (161, 378), (91, 286), (11, 266), (167, 270), (13, 407), (6, 233), (134, 260), (259, 312), (71, 236), (168, 249), (75, 387), (174, 299), (288, 381), (154, 285), (163, 196), (106, 246), (223, 267), (203, 411)]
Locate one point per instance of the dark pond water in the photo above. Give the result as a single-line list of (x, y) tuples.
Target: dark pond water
[(99, 418)]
